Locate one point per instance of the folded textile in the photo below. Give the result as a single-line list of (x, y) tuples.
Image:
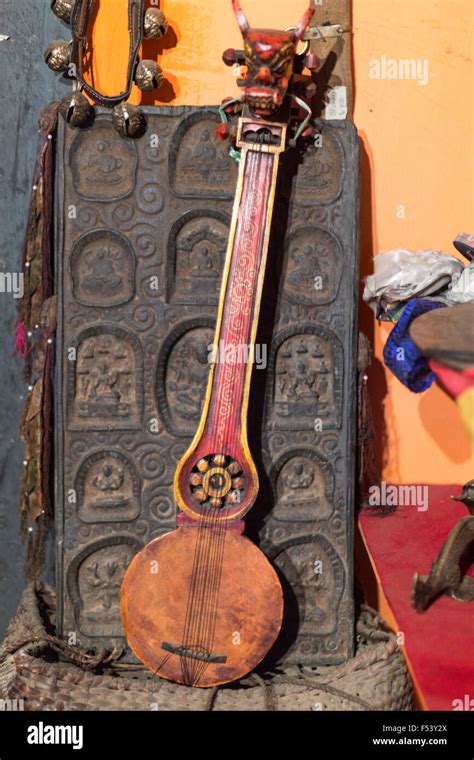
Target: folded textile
[(401, 275), (461, 288), (401, 355)]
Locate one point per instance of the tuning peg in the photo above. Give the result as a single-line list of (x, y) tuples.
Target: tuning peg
[(62, 9), (308, 132), (148, 75), (57, 55), (223, 131), (155, 24), (231, 57)]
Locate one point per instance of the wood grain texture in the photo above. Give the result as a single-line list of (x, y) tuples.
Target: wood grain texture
[(337, 52), (154, 601)]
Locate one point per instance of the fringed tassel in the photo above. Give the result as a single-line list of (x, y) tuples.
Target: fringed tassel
[(36, 505), (34, 343), (21, 341)]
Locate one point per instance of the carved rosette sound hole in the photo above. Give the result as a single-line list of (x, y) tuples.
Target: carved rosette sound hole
[(217, 481)]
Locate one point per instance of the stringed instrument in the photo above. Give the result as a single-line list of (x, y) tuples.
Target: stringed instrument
[(202, 605)]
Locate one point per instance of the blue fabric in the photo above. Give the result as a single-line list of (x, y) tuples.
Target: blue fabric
[(400, 353)]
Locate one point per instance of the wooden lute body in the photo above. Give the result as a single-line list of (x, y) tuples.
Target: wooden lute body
[(202, 605)]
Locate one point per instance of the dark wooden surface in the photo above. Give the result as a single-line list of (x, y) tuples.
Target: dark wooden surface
[(26, 86), (130, 401)]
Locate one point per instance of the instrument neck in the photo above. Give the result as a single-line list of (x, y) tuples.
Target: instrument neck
[(223, 428), (234, 350)]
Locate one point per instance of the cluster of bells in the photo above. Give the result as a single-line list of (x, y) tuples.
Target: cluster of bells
[(127, 119)]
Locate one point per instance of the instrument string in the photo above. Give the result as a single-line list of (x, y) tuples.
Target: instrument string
[(193, 606), (195, 595), (215, 567), (202, 582), (205, 622), (211, 534), (211, 586)]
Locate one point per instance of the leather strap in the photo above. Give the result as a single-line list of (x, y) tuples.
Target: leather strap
[(80, 17)]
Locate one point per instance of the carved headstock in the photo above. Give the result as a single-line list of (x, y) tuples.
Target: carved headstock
[(269, 56)]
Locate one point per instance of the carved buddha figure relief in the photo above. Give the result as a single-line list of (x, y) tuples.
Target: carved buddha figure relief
[(200, 164), (314, 266), (316, 575), (304, 380), (304, 490), (187, 372), (109, 480), (105, 385), (103, 269), (103, 166), (320, 173), (200, 248), (201, 154), (306, 264), (314, 172), (99, 579), (298, 477), (101, 266), (108, 488)]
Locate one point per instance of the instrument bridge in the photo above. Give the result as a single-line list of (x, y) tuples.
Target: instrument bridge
[(193, 653)]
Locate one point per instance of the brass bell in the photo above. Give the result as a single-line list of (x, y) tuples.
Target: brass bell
[(57, 55), (62, 9), (76, 109), (148, 75), (155, 24), (128, 120)]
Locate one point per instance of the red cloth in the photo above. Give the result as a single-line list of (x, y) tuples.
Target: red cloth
[(452, 381), (439, 643)]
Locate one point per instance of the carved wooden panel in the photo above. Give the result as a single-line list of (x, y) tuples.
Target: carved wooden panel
[(141, 239)]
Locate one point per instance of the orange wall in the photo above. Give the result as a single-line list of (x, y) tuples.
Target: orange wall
[(419, 147), (417, 151)]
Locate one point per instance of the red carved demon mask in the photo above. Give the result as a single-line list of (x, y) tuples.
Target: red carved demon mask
[(269, 56)]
